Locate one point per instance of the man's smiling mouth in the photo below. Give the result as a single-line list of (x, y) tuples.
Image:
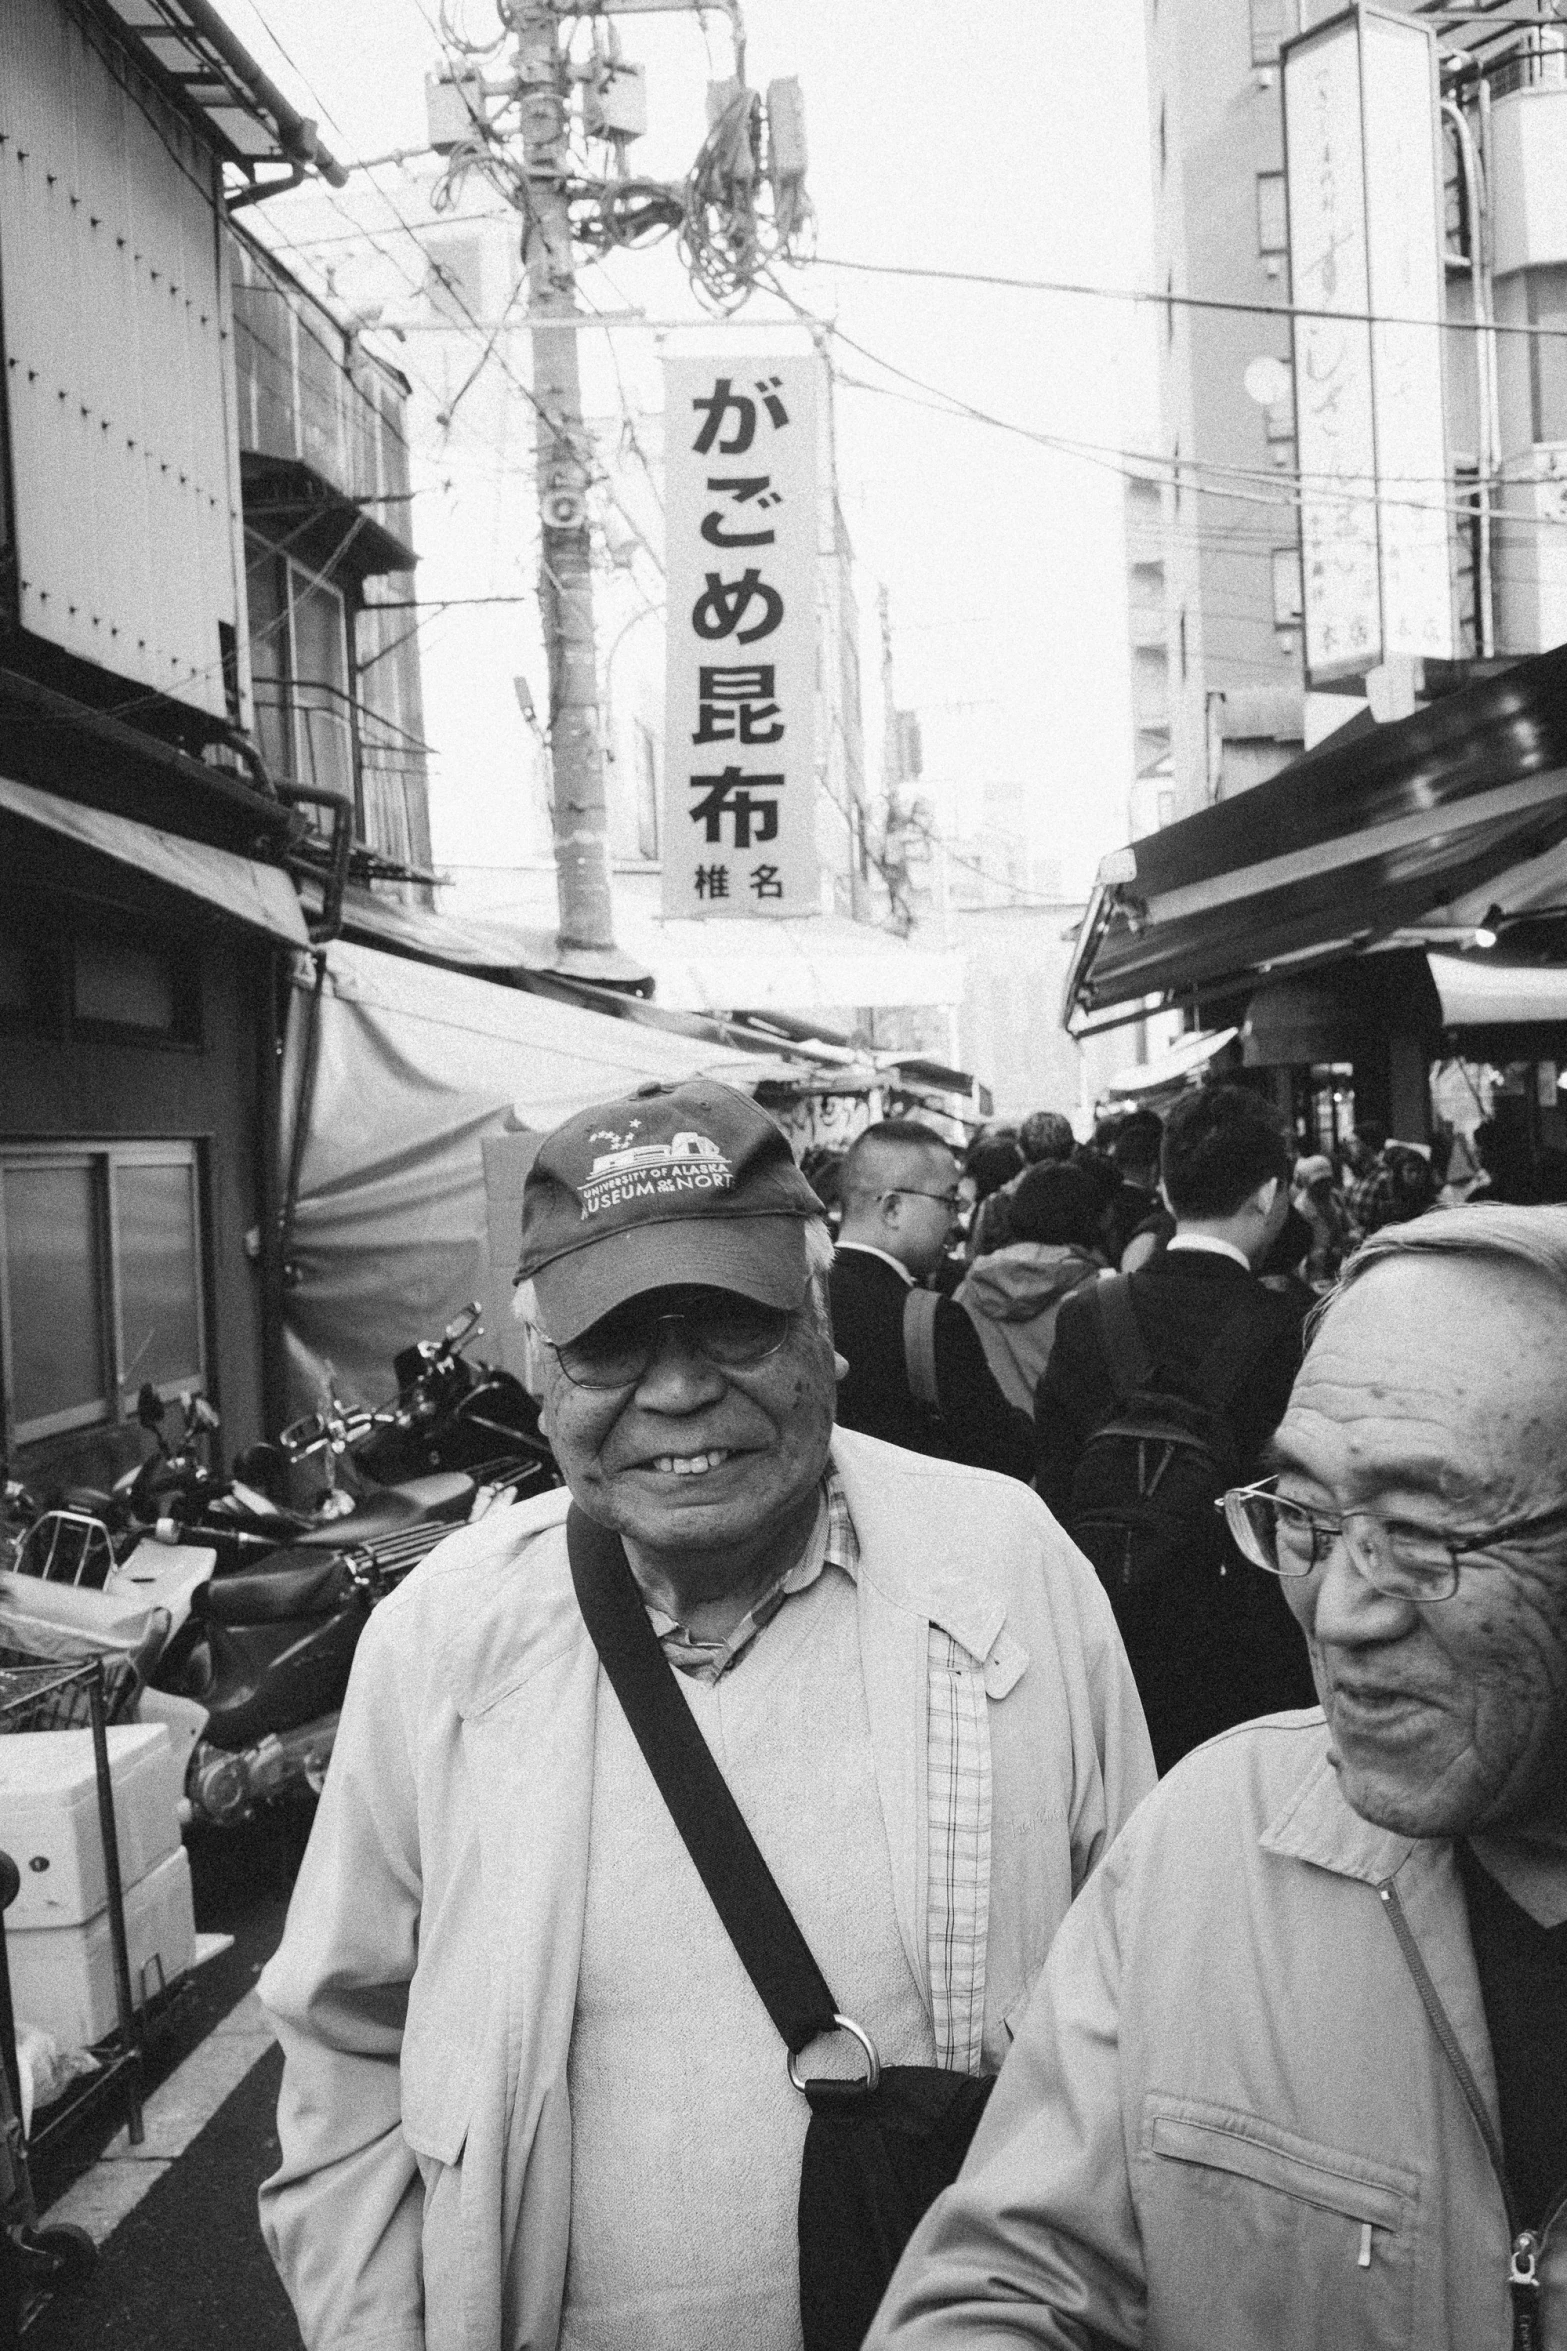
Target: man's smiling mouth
[(690, 1465)]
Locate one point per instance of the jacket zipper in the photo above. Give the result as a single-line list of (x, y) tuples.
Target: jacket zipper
[(1526, 2245)]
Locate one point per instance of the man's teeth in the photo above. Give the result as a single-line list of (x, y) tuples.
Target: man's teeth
[(688, 1465)]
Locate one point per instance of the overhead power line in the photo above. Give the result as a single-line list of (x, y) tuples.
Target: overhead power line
[(1169, 300)]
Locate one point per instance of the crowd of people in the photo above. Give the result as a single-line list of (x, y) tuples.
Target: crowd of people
[(1088, 1619)]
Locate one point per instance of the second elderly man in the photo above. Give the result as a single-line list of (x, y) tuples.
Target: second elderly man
[(531, 2095)]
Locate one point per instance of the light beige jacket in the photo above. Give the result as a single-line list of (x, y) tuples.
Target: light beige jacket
[(425, 1986), (1250, 2105)]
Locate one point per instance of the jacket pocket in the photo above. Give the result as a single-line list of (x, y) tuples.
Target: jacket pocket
[(437, 2096), (437, 2104), (1257, 2236)]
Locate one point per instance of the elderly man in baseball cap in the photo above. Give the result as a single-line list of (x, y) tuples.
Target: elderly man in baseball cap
[(532, 2095)]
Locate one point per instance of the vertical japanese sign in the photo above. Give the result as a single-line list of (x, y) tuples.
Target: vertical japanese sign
[(740, 559), (1365, 217)]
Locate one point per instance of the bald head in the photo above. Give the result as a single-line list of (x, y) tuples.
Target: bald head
[(899, 1190)]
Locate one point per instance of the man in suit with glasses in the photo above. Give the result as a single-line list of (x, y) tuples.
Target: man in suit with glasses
[(900, 1210)]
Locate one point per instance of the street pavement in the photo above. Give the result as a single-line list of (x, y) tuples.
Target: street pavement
[(181, 2264)]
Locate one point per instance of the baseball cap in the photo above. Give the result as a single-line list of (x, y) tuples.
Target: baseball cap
[(687, 1183)]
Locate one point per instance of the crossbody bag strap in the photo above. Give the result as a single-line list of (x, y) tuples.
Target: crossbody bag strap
[(919, 1345), (744, 1892)]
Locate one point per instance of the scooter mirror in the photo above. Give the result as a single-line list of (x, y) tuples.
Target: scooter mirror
[(465, 1325), (149, 1406)]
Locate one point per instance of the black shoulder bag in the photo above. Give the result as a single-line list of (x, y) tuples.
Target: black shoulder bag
[(879, 2149)]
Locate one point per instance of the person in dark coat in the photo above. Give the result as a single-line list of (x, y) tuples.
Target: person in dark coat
[(1225, 1168), (900, 1202), (1135, 1149)]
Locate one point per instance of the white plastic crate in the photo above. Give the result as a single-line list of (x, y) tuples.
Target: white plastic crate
[(49, 1818), (62, 1978)]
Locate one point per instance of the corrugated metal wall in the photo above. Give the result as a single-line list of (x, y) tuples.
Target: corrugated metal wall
[(115, 308)]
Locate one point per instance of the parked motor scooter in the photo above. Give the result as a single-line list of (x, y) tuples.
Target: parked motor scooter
[(449, 1413)]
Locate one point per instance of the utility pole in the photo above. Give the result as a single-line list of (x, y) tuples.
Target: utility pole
[(578, 813)]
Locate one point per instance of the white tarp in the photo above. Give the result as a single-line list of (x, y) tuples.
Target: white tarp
[(415, 1066)]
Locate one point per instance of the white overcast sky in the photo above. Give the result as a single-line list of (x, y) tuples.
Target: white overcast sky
[(1006, 136)]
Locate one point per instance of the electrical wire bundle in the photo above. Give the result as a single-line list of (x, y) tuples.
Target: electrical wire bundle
[(740, 213)]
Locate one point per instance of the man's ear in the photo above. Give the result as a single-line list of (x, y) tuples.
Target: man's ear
[(840, 1366), (1264, 1197)]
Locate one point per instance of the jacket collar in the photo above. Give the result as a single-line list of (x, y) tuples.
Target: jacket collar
[(894, 1505), (1317, 1826)]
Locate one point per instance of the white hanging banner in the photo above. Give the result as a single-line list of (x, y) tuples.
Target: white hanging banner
[(740, 558)]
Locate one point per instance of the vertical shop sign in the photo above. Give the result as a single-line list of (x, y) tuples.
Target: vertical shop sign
[(740, 559), (1365, 215)]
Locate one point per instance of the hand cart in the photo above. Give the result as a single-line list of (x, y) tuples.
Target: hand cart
[(45, 1697)]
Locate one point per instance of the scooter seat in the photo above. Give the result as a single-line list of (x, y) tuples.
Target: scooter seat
[(447, 1494), (377, 1514), (275, 1594)]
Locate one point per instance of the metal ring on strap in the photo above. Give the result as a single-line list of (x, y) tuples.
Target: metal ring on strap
[(872, 2060)]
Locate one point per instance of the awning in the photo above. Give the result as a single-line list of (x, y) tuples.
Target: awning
[(1183, 1061), (1478, 992), (261, 897), (1373, 831), (479, 943), (815, 962)]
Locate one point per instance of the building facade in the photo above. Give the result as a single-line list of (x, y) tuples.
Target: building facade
[(168, 791)]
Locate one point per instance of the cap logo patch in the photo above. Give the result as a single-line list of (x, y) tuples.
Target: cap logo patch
[(688, 1162)]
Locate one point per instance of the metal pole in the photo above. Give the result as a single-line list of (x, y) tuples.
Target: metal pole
[(579, 816), (1485, 423), (130, 2037)]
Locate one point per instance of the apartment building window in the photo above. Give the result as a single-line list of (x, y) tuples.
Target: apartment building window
[(1272, 23), (647, 791), (1287, 607), (299, 670), (100, 1280), (1547, 296), (1273, 234)]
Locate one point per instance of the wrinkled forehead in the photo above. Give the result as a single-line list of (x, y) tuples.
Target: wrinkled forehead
[(1454, 1362)]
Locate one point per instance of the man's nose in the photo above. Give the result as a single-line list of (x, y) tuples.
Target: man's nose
[(1347, 1609), (679, 1377)]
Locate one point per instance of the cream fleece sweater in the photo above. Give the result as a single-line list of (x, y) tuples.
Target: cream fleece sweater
[(686, 2133)]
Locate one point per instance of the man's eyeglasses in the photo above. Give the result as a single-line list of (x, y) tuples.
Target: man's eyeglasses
[(732, 1333), (950, 1201), (1407, 1562)]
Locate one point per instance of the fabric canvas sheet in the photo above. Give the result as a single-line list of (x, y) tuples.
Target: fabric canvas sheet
[(415, 1066)]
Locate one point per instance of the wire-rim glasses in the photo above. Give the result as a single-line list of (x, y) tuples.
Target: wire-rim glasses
[(1406, 1562), (730, 1332)]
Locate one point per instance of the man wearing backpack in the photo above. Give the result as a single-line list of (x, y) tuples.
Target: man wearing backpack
[(1161, 1390), (917, 1373)]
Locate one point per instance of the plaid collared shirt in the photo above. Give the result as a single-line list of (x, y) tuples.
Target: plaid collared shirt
[(957, 1776)]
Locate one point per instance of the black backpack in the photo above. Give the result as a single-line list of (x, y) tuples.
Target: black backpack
[(1143, 1494)]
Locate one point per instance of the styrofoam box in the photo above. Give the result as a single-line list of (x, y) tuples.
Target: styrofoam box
[(49, 1818), (62, 1978)]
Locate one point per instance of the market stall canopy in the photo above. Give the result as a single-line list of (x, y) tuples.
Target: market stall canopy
[(1184, 1060), (1375, 829), (404, 1068), (817, 961), (480, 943), (1477, 992), (261, 897)]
